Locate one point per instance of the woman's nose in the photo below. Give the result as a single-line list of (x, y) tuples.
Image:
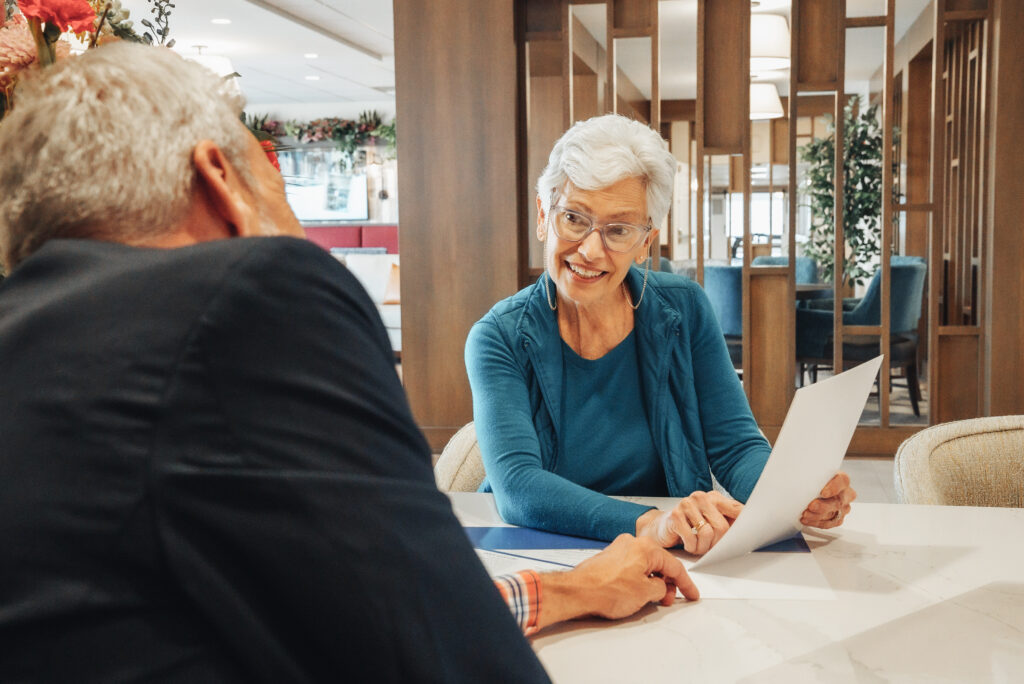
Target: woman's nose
[(591, 246)]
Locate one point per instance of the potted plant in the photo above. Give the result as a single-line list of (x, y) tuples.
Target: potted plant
[(862, 195)]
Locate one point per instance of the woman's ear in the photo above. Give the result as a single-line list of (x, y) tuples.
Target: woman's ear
[(649, 243), (542, 226)]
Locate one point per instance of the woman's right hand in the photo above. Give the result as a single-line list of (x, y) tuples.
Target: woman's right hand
[(697, 522)]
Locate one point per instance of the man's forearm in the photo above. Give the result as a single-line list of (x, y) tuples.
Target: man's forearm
[(565, 598)]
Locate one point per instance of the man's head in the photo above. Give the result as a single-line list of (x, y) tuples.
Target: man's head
[(132, 144)]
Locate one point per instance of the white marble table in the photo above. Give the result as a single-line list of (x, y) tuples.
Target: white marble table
[(922, 594)]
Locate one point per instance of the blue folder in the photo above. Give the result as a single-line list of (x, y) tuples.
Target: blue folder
[(518, 538)]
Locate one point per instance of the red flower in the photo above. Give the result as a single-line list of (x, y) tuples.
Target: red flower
[(268, 147), (74, 14)]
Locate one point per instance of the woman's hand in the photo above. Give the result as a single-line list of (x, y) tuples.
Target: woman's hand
[(832, 505), (697, 522)]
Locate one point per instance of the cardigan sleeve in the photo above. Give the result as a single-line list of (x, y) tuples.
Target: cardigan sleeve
[(736, 449), (525, 493)]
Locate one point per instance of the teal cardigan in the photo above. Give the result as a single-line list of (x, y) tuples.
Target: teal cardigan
[(700, 419)]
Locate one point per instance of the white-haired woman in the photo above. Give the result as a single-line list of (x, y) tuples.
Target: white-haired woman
[(604, 379)]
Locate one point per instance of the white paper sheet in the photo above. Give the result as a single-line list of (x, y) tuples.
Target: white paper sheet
[(765, 575), (807, 454)]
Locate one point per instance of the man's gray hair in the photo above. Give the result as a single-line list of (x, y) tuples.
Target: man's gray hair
[(99, 146), (604, 150)]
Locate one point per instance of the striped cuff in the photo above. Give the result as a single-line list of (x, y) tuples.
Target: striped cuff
[(521, 592)]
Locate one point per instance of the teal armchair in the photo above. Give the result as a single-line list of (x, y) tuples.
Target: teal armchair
[(814, 327)]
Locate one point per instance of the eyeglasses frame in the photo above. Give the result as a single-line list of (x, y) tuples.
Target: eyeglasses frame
[(600, 227)]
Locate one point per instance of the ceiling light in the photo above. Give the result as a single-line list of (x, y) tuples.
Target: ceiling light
[(765, 102), (769, 42), (310, 55), (312, 78), (220, 21)]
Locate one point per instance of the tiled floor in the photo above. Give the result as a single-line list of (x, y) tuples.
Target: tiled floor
[(871, 478)]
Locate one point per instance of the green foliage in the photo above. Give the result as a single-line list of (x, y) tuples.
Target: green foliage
[(162, 11), (862, 194)]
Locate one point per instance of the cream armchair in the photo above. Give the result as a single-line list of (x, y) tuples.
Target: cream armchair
[(977, 462), (460, 468)]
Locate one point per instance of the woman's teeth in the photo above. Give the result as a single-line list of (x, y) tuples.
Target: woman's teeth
[(580, 271)]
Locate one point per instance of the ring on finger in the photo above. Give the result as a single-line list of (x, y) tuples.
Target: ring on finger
[(699, 526)]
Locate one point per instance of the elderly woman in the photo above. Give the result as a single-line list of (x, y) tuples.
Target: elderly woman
[(604, 379)]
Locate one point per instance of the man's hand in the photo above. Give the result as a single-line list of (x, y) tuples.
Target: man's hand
[(697, 522), (620, 580), (832, 505)]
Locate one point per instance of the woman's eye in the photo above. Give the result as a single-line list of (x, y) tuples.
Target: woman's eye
[(572, 218), (615, 230)]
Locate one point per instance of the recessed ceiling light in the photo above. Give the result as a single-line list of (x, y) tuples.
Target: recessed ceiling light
[(312, 78), (310, 55), (220, 21)]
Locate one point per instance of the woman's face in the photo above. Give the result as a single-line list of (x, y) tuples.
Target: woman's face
[(587, 272)]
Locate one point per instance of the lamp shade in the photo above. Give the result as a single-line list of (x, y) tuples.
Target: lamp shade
[(765, 102), (769, 42)]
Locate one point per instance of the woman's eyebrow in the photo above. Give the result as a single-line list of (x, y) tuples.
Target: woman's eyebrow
[(582, 206)]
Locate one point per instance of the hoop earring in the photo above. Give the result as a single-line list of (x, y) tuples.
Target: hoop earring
[(547, 293), (647, 269)]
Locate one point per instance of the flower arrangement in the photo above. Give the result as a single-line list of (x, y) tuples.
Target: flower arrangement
[(349, 135), (31, 33)]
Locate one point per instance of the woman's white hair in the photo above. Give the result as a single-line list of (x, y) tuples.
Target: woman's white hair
[(100, 146), (604, 150)]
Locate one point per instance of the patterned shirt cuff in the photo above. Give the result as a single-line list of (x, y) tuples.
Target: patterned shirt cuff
[(521, 592)]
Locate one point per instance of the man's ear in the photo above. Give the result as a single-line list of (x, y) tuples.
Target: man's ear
[(224, 190)]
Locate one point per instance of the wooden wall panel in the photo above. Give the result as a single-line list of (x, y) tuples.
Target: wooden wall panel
[(959, 361), (780, 140), (542, 16), (820, 22), (1005, 237), (725, 62), (772, 340), (634, 17), (456, 96), (678, 110), (967, 5), (917, 139), (545, 126)]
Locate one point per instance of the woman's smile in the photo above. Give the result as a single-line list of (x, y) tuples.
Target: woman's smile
[(583, 273)]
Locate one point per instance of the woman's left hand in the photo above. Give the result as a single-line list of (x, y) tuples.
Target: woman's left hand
[(832, 505)]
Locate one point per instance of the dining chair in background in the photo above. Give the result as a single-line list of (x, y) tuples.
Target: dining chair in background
[(724, 288), (814, 327), (976, 462)]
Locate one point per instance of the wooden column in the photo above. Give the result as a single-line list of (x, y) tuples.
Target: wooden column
[(1004, 368), (456, 95)]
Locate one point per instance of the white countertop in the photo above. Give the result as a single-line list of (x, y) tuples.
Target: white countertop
[(922, 594)]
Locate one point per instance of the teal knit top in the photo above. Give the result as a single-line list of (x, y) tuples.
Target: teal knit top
[(607, 445)]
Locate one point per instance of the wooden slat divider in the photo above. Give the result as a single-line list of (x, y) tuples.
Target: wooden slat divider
[(887, 202), (866, 22), (819, 41)]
